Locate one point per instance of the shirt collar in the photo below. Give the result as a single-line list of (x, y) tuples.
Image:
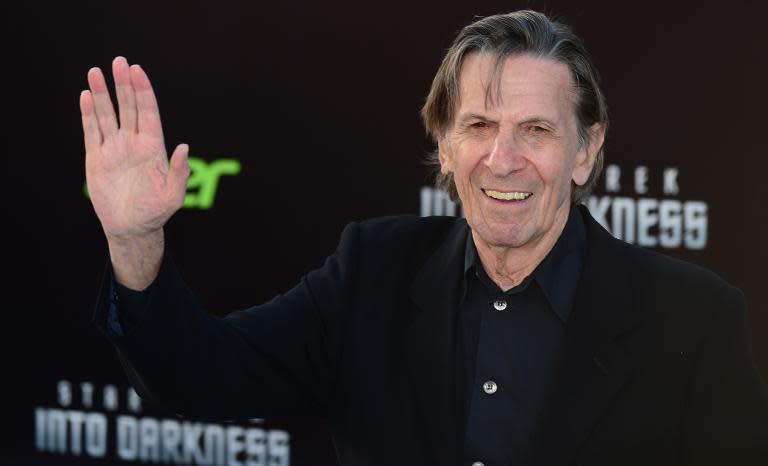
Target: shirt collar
[(558, 274)]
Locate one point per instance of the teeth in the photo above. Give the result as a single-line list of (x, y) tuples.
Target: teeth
[(513, 196)]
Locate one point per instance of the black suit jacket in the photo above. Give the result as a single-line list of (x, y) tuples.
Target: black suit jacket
[(656, 368)]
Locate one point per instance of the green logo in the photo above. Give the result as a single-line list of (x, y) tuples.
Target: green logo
[(203, 181)]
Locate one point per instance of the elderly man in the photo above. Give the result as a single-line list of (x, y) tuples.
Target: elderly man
[(525, 335)]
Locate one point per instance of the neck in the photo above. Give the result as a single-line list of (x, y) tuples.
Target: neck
[(508, 266)]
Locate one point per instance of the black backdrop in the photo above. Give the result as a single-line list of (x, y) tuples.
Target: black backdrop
[(317, 103)]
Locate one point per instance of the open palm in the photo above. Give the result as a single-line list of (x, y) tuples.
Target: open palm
[(133, 188)]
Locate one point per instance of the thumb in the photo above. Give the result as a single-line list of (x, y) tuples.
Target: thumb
[(178, 175)]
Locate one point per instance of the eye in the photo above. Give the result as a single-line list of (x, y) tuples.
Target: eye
[(479, 125), (538, 129)]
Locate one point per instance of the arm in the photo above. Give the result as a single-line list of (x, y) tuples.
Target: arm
[(727, 409), (277, 358)]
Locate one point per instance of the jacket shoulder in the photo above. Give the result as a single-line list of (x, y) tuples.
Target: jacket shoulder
[(657, 280), (662, 269), (682, 294), (402, 240), (403, 228)]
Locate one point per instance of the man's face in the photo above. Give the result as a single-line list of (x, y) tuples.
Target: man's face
[(513, 157)]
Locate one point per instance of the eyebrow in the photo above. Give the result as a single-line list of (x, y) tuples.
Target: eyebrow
[(471, 116), (476, 116), (539, 119)]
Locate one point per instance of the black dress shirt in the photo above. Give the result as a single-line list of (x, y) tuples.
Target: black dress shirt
[(510, 345)]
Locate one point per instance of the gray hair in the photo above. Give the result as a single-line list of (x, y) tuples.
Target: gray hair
[(501, 36)]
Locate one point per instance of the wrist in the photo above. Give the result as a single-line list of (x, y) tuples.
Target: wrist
[(136, 259)]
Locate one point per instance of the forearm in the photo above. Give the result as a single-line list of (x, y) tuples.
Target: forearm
[(136, 260), (251, 364), (278, 358)]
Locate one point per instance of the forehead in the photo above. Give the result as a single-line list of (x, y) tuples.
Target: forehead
[(522, 85)]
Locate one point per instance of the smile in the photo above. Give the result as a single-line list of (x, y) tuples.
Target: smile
[(508, 196)]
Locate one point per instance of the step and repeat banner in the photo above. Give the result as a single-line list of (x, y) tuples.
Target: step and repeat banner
[(301, 117)]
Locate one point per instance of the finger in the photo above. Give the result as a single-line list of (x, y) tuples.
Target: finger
[(126, 98), (146, 103), (105, 112), (91, 131), (178, 175)]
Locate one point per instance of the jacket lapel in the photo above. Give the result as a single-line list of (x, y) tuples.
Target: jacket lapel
[(430, 346), (593, 366)]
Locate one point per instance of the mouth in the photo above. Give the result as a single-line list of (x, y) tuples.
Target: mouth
[(515, 196)]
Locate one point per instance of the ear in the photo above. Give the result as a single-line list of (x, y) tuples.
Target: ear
[(586, 156), (445, 155)]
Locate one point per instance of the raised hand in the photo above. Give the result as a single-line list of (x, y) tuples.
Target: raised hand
[(133, 189)]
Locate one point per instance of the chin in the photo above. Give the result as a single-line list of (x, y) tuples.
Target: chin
[(510, 236)]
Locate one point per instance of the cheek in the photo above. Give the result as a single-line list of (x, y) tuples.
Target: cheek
[(463, 181), (557, 176), (465, 166)]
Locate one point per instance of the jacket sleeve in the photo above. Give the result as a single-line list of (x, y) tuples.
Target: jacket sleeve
[(727, 409), (276, 358)]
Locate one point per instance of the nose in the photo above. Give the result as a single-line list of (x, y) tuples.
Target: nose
[(506, 156)]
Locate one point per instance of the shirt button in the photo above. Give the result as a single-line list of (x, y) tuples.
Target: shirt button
[(490, 387), (499, 304), (478, 463)]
